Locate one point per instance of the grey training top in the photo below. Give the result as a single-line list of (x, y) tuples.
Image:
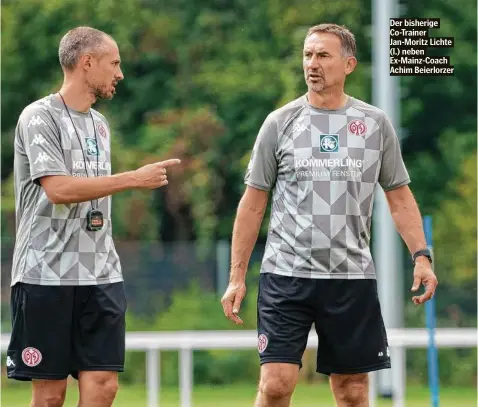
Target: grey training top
[(323, 167), (53, 246)]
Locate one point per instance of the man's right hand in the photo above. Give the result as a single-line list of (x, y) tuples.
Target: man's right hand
[(231, 301), (154, 175)]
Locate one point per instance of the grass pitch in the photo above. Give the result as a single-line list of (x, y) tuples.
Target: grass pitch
[(18, 395)]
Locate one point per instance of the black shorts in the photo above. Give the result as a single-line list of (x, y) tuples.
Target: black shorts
[(60, 330), (346, 315)]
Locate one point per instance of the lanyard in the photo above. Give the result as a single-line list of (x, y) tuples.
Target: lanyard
[(79, 140)]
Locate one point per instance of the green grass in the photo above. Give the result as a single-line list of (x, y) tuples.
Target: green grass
[(18, 394)]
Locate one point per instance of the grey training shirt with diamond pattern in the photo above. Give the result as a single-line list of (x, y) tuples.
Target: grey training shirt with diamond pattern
[(53, 246), (323, 167)]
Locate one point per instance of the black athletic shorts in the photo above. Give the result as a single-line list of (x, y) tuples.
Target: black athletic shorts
[(346, 315), (60, 330)]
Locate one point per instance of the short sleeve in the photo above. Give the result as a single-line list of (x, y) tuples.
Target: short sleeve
[(39, 138), (393, 173), (262, 169)]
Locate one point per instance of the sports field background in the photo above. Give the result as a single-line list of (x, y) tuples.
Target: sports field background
[(243, 395), (200, 78)]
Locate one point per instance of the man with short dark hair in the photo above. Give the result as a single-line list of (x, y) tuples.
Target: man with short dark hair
[(67, 296), (322, 155)]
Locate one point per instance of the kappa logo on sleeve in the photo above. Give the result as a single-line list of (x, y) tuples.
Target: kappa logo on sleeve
[(42, 158), (38, 139), (46, 102), (36, 121)]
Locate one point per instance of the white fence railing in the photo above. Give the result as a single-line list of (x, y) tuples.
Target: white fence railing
[(188, 341)]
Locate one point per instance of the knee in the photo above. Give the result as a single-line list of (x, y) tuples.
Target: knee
[(351, 390), (52, 400), (108, 387), (100, 387), (56, 400), (48, 394), (97, 388), (277, 387)]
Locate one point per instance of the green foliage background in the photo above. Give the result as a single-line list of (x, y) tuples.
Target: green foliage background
[(200, 77)]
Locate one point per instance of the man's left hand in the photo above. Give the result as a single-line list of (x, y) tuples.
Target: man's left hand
[(423, 274)]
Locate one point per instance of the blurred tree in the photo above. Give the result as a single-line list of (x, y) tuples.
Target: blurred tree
[(200, 78), (455, 228), (433, 106)]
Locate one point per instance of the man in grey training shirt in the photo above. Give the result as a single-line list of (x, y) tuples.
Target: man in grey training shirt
[(68, 300), (322, 156)]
